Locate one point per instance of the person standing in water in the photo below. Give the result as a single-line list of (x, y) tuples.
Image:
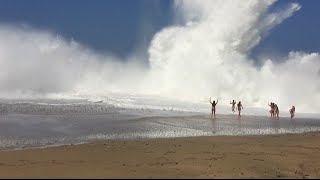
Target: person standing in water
[(213, 109), (272, 109), (276, 111), (233, 105), (292, 110), (239, 105)]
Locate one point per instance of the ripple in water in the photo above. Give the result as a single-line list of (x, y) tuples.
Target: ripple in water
[(27, 125)]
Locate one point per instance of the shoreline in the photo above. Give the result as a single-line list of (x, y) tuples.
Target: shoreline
[(145, 139), (249, 156)]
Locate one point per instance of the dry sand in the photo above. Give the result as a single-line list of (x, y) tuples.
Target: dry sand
[(272, 156)]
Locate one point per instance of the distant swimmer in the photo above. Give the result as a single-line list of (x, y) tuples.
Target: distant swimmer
[(292, 110), (213, 110), (233, 105), (239, 105), (276, 110), (272, 109)]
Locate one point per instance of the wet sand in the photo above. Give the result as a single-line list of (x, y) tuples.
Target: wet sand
[(268, 156)]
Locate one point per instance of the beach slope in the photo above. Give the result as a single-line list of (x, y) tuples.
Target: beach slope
[(270, 156)]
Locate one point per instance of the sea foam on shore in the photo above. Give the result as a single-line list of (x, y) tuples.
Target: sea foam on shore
[(48, 122)]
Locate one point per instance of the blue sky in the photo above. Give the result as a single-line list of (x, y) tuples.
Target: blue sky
[(297, 33), (118, 26)]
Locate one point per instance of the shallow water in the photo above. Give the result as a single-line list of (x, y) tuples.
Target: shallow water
[(37, 124)]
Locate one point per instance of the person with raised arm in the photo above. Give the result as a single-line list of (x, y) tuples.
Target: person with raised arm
[(272, 109), (233, 105), (213, 108)]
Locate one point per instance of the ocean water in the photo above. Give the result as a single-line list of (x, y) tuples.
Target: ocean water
[(28, 123)]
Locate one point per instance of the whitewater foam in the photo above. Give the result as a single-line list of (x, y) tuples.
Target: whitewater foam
[(40, 124), (204, 54)]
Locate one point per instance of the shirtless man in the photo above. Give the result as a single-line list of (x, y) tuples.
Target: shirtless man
[(233, 105), (213, 109)]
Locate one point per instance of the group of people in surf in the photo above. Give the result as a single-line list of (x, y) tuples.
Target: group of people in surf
[(274, 112), (239, 106), (233, 102)]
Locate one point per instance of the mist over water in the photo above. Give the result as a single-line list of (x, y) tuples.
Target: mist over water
[(206, 54)]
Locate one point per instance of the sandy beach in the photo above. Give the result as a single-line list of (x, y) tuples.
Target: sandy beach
[(159, 89), (269, 156)]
